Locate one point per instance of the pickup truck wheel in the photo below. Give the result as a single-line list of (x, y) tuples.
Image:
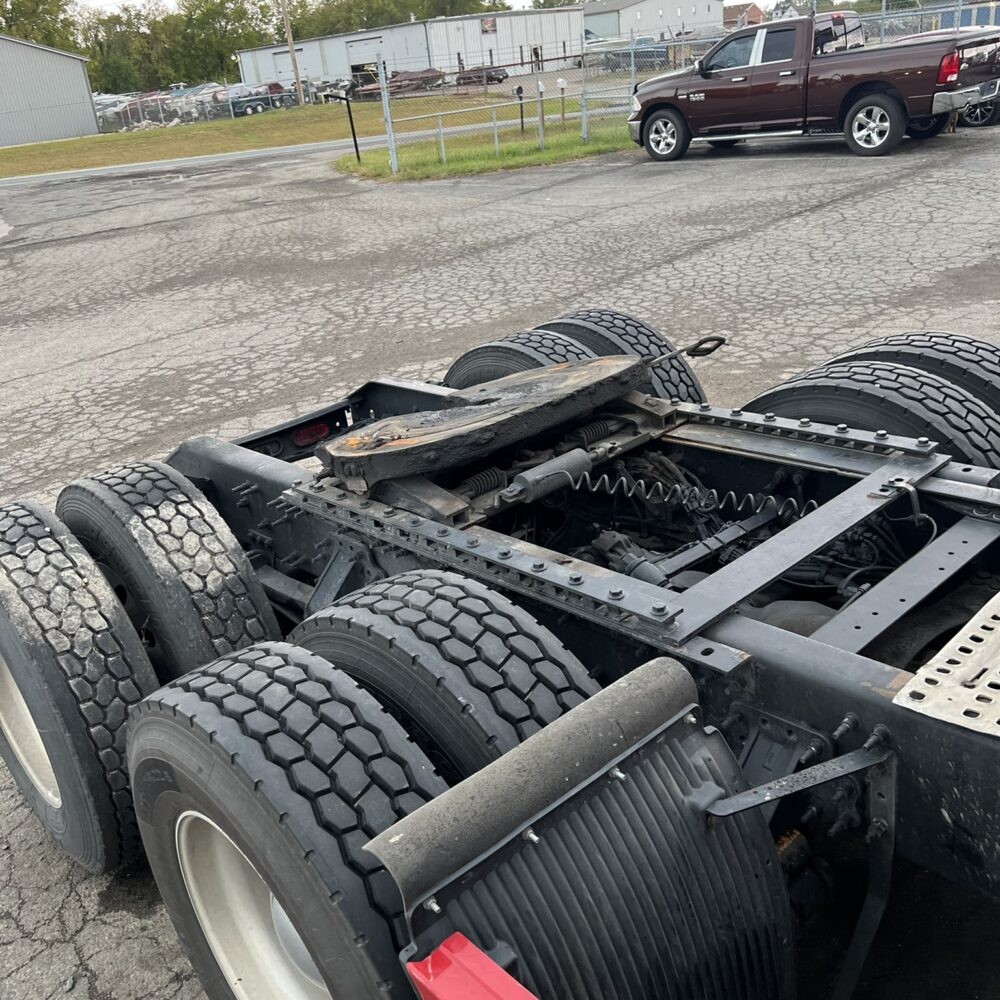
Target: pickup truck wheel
[(259, 780), (665, 135), (606, 332), (875, 125), (468, 673), (981, 115), (517, 353), (927, 128), (873, 395)]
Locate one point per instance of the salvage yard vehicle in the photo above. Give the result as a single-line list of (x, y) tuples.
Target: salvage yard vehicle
[(553, 680), (812, 76), (481, 75)]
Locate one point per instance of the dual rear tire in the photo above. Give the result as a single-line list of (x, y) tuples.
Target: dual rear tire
[(944, 387), (432, 670), (576, 336)]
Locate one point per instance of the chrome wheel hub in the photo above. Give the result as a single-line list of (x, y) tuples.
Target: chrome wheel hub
[(871, 127), (663, 136), (251, 936), (25, 739)]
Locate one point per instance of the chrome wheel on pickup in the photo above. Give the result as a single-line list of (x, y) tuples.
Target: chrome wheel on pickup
[(665, 135), (875, 125), (871, 127)]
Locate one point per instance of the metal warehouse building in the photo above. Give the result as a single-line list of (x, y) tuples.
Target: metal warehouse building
[(663, 19), (44, 94), (518, 39)]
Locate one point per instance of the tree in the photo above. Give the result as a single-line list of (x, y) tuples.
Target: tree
[(46, 22), (215, 29)]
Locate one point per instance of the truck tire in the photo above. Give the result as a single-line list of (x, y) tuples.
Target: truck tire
[(517, 353), (259, 779), (71, 665), (927, 128), (665, 135), (182, 577), (873, 395), (981, 115), (607, 332), (875, 125), (972, 365), (469, 673)]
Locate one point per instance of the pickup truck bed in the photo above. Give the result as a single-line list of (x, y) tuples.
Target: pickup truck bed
[(814, 76)]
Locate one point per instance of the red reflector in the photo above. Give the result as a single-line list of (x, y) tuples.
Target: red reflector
[(458, 970), (312, 434), (948, 73)]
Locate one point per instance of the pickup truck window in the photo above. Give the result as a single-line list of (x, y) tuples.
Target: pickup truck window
[(837, 32), (779, 45), (733, 54)]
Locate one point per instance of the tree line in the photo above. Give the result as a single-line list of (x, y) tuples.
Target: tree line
[(148, 46)]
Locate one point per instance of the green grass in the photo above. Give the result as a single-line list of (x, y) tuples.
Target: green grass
[(274, 128), (329, 122), (475, 154)]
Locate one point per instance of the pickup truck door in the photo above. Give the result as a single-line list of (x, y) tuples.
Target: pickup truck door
[(717, 99), (777, 82)]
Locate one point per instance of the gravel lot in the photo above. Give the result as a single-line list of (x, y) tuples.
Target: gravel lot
[(139, 308)]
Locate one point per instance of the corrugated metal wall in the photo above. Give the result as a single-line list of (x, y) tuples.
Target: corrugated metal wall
[(43, 95), (510, 40), (481, 40)]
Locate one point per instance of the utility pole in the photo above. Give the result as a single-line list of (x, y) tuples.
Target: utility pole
[(291, 51)]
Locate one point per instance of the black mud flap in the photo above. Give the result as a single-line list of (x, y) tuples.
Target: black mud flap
[(584, 862)]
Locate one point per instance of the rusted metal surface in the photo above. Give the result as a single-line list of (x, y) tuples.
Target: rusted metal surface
[(479, 421)]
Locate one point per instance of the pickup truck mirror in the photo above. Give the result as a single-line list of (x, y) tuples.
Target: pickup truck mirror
[(697, 67)]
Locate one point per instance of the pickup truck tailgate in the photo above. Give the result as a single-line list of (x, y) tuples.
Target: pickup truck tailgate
[(980, 60)]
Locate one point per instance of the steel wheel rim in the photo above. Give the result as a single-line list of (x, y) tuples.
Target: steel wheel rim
[(251, 937), (871, 127), (978, 114), (663, 136), (24, 738)]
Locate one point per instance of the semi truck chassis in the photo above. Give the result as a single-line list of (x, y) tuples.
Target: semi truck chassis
[(653, 821)]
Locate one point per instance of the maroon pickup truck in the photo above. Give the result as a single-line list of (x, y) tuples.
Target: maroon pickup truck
[(814, 76)]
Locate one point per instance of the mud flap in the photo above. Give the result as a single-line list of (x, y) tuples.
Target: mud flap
[(584, 865)]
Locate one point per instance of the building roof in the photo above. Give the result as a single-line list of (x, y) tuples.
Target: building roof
[(735, 11), (531, 11), (44, 48)]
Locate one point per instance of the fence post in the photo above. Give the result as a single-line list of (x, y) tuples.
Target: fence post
[(631, 75), (390, 135), (881, 26), (496, 134), (441, 153), (541, 114), (583, 88)]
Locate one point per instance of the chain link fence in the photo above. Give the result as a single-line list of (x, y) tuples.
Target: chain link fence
[(523, 102)]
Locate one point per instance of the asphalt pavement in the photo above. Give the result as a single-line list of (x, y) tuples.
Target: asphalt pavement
[(143, 305)]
